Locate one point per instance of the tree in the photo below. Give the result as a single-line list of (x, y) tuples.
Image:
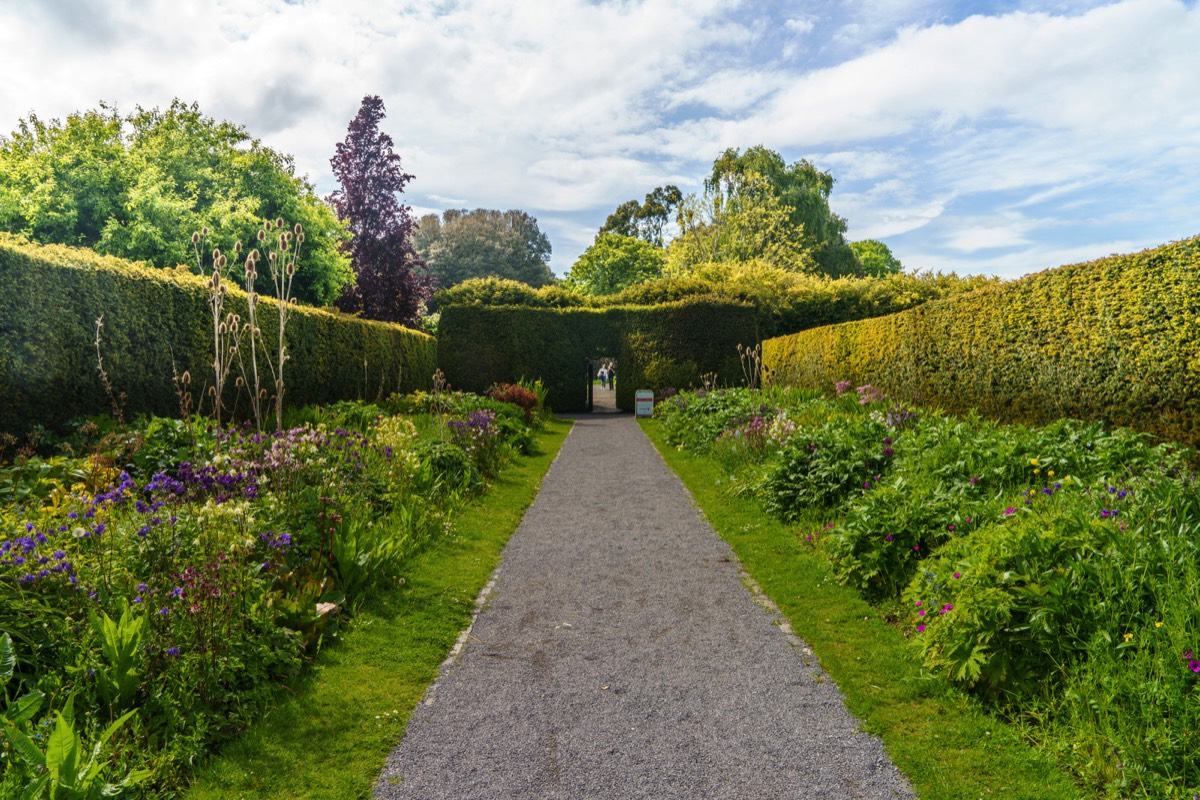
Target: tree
[(485, 243), (648, 220), (743, 223), (390, 281), (801, 189), (875, 258), (614, 262), (137, 186)]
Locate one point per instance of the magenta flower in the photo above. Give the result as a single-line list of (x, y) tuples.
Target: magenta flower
[(1009, 511), (920, 629), (958, 575), (1194, 665), (949, 527)]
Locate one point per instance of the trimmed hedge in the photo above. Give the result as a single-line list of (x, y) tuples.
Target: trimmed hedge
[(672, 344), (1115, 340), (156, 320)]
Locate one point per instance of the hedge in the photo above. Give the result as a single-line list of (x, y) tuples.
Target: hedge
[(1115, 340), (673, 344), (157, 323)]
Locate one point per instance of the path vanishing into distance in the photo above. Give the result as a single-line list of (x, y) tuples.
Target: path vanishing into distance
[(618, 654)]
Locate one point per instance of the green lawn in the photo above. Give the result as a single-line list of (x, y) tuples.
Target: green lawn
[(328, 738)]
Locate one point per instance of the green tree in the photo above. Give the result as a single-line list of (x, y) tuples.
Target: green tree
[(484, 243), (614, 262), (800, 189), (875, 258), (137, 186), (738, 223), (648, 220)]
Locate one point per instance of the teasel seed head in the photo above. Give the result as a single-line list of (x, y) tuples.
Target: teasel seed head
[(212, 391), (279, 222), (195, 237), (204, 231), (291, 269), (221, 262), (300, 237), (186, 378), (237, 248), (239, 383), (262, 235), (262, 394)]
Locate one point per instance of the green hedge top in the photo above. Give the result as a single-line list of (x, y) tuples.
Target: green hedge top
[(157, 323), (1117, 340)]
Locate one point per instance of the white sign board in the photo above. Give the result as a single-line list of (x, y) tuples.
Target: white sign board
[(643, 403)]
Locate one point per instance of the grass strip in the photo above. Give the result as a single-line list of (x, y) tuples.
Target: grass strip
[(330, 738), (946, 745)]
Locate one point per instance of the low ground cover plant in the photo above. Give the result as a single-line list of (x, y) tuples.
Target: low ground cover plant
[(1052, 571), (159, 583)]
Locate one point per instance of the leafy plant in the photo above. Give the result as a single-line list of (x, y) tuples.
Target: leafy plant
[(66, 769), (121, 642)]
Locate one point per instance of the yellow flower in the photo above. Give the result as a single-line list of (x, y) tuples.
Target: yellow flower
[(1158, 624), (1037, 472), (1033, 462), (1032, 492), (1128, 636), (1050, 473)]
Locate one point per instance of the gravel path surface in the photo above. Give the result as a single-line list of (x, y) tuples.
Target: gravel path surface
[(620, 655)]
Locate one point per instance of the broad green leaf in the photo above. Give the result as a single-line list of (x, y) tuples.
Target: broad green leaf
[(8, 658), (24, 708), (62, 752)]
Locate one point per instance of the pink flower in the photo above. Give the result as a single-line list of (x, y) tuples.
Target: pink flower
[(958, 574), (920, 629), (1010, 510)]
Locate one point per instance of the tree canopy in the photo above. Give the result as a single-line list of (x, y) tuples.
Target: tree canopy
[(137, 186), (876, 258), (390, 282), (614, 262), (484, 243)]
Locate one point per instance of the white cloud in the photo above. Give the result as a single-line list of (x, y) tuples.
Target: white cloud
[(565, 108)]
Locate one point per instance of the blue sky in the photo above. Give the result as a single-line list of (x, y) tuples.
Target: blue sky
[(993, 138)]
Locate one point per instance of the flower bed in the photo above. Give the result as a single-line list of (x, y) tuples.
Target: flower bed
[(1053, 571)]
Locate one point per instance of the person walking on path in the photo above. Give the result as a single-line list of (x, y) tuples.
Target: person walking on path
[(603, 375), (619, 655)]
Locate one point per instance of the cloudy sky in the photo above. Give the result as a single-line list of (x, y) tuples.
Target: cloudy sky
[(998, 137)]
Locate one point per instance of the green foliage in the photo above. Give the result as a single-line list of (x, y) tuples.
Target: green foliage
[(122, 643), (667, 345), (484, 243), (800, 190), (825, 467), (1111, 340), (157, 324), (136, 187), (875, 258), (1049, 571), (614, 262), (66, 770), (745, 222), (507, 292)]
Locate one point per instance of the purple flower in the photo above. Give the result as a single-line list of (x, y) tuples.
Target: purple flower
[(1009, 511), (950, 527), (141, 587), (1194, 665), (888, 537), (173, 652), (958, 575), (920, 629)]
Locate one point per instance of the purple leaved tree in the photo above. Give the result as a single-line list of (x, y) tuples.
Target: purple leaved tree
[(391, 283)]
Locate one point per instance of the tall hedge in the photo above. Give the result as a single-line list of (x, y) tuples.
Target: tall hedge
[(673, 344), (156, 322), (1116, 340), (677, 344)]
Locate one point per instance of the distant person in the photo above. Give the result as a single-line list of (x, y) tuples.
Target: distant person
[(612, 377), (603, 376)]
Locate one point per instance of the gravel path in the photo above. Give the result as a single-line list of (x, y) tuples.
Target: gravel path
[(620, 655)]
